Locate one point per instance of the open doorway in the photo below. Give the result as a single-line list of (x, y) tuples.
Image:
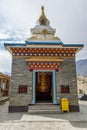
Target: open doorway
[(44, 86)]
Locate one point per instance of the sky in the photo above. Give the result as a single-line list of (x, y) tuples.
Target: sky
[(17, 17)]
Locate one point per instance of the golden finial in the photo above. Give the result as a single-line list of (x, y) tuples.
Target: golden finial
[(42, 8), (43, 19)]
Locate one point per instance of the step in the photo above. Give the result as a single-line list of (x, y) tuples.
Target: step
[(3, 99), (43, 108), (35, 112)]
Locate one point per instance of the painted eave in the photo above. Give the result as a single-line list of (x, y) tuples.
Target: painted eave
[(44, 43), (73, 45), (41, 44), (14, 44)]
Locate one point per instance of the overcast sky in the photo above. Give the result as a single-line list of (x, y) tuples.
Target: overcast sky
[(68, 17)]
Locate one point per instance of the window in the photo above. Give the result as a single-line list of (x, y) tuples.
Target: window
[(65, 89), (22, 89)]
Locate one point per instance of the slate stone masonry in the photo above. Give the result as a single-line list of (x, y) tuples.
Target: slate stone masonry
[(67, 76), (20, 76)]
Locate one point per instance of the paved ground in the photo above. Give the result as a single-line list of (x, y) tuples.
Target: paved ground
[(24, 121)]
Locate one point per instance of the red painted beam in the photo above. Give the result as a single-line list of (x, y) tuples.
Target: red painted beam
[(43, 68)]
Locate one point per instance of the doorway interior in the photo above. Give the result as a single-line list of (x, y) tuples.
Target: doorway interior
[(44, 87)]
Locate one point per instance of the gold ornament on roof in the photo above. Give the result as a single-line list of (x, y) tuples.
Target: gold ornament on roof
[(42, 8), (43, 19), (44, 32)]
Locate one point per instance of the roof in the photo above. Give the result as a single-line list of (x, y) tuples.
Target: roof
[(73, 45), (42, 43), (4, 76)]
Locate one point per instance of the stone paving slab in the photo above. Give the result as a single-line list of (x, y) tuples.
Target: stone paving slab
[(75, 116), (46, 117), (44, 126), (24, 121)]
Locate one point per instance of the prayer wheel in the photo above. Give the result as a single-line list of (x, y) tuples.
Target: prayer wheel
[(43, 83)]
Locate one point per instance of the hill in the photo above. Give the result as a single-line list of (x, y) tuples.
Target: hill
[(81, 67), (82, 84)]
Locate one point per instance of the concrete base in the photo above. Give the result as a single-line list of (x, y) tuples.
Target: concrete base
[(12, 109), (17, 109), (74, 108)]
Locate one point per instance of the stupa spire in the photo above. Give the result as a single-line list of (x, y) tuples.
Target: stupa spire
[(42, 8), (43, 30), (43, 19)]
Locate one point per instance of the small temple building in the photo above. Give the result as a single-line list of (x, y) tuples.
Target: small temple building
[(43, 69), (4, 85)]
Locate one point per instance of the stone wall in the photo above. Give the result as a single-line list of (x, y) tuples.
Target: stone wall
[(20, 76), (67, 76)]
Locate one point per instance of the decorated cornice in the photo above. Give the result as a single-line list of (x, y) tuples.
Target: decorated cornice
[(53, 65), (61, 52), (44, 63)]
